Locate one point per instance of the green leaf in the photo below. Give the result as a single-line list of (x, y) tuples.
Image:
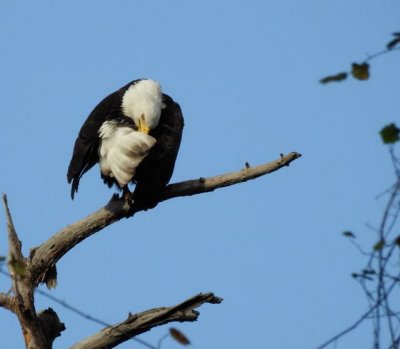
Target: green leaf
[(379, 245), (179, 336), (334, 78), (360, 71), (349, 234), (390, 134), (18, 268), (392, 44)]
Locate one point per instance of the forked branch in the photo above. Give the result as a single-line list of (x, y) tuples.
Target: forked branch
[(22, 303), (41, 329), (139, 323)]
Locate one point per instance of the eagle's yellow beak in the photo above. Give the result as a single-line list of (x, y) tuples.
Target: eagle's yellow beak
[(143, 127)]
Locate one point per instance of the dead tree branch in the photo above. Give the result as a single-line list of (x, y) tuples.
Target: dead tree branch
[(6, 302), (40, 329), (15, 246), (139, 323), (45, 256), (22, 302)]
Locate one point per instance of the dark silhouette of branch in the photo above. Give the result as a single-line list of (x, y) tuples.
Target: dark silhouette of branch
[(362, 318), (139, 323), (380, 53), (44, 257), (381, 274)]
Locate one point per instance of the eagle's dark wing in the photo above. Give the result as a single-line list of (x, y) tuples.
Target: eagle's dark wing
[(85, 154), (155, 171)]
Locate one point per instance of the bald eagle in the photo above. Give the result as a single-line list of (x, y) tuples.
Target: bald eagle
[(134, 134)]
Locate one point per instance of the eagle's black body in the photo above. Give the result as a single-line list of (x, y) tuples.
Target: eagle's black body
[(155, 171)]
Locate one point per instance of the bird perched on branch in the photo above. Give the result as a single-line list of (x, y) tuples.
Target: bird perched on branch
[(134, 134)]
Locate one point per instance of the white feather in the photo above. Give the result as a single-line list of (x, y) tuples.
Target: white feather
[(143, 98), (122, 149)]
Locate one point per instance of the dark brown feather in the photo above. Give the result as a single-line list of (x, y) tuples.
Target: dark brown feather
[(85, 154), (155, 171)]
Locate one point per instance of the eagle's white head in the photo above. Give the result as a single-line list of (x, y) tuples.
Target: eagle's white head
[(142, 102)]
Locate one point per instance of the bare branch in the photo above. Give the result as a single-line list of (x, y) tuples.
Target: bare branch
[(46, 255), (139, 323), (6, 301), (204, 185), (41, 329), (363, 317), (24, 307), (15, 246)]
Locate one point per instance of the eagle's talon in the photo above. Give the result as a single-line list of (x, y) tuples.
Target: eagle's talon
[(127, 196)]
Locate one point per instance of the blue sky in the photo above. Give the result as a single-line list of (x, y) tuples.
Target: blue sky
[(246, 76)]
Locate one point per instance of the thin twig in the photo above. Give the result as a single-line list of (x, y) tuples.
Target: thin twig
[(380, 53), (359, 321)]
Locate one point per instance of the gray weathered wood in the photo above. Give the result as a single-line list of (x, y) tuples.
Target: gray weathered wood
[(23, 301), (46, 255), (27, 273), (136, 324)]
